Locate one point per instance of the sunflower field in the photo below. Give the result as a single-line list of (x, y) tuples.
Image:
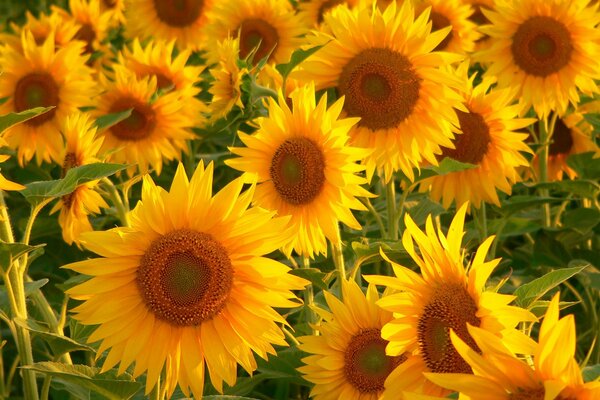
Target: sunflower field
[(300, 199)]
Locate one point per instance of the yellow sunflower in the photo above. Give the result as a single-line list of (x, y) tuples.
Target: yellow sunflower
[(187, 284), (80, 149), (456, 14), (314, 10), (43, 76), (489, 141), (226, 88), (383, 63), (92, 23), (572, 135), (172, 74), (155, 131), (305, 168), (269, 26), (445, 296), (499, 375), (115, 9), (41, 27), (544, 46), (347, 360), (166, 20), (5, 184)]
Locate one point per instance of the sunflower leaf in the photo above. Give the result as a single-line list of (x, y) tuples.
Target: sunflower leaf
[(297, 57), (529, 293), (227, 397), (58, 343), (10, 119), (586, 166), (315, 276), (11, 251), (107, 384), (37, 192), (591, 373), (446, 166), (108, 120)]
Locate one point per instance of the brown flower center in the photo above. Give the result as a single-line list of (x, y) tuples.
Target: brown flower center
[(257, 33), (450, 307), (366, 365), (562, 139), (139, 125), (298, 170), (472, 145), (326, 6), (178, 13), (38, 89), (440, 21), (380, 86), (542, 46), (185, 277), (528, 394), (87, 34)]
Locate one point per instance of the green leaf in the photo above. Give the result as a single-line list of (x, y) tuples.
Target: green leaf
[(8, 120), (586, 166), (297, 57), (315, 276), (367, 253), (227, 397), (591, 373), (36, 192), (108, 120), (582, 220), (58, 343), (30, 287), (107, 384), (581, 187), (446, 166), (283, 366), (517, 203), (12, 251), (529, 293), (539, 307)]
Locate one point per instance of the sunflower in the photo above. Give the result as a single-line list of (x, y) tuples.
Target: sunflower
[(488, 141), (544, 46), (446, 296), (348, 360), (572, 135), (187, 284), (499, 375), (155, 131), (269, 26), (456, 14), (226, 88), (382, 63), (43, 76), (314, 10), (92, 23), (172, 74), (5, 184), (41, 27), (115, 9), (305, 168), (182, 21), (81, 149)]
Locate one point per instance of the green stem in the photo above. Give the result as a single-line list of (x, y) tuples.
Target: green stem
[(391, 209), (338, 258), (15, 285), (122, 211), (546, 132), (481, 219), (400, 208), (367, 203), (309, 297), (46, 387)]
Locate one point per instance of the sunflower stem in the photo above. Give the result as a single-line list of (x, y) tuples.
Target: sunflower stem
[(309, 298), (481, 218), (391, 210), (403, 197), (122, 211), (367, 203), (546, 132), (15, 287), (338, 258)]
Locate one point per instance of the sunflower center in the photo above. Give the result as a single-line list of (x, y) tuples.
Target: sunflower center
[(257, 33), (472, 144), (185, 277), (562, 139), (381, 87), (366, 365), (178, 13), (451, 307), (326, 6), (138, 125), (36, 90), (86, 33), (298, 170), (440, 21), (542, 46), (528, 394)]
